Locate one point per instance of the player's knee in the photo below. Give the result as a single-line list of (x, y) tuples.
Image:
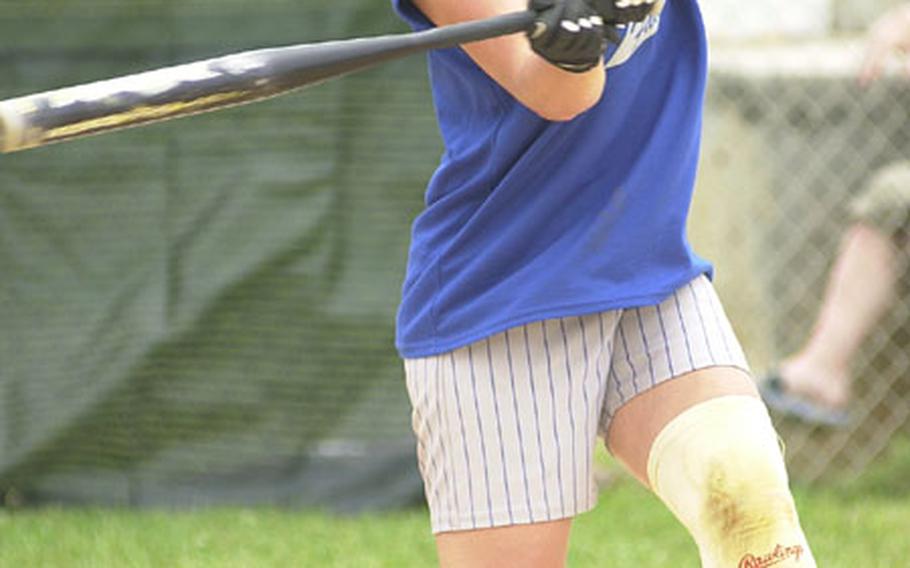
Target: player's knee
[(719, 468)]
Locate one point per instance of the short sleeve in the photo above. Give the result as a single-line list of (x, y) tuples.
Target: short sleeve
[(412, 15)]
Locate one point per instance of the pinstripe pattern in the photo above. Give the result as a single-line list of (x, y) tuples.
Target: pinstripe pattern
[(506, 427)]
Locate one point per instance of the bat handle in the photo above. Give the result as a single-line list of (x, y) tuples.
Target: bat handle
[(477, 30)]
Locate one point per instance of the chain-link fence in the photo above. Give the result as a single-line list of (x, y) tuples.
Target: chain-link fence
[(791, 140)]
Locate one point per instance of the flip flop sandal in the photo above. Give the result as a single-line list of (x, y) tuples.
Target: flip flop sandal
[(774, 393)]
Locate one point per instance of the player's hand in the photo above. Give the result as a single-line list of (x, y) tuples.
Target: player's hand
[(616, 12), (889, 36), (568, 34)]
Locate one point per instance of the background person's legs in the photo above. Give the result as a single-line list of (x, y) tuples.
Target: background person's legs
[(814, 383), (860, 288)]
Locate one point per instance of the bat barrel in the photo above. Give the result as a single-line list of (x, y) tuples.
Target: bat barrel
[(11, 129), (230, 80)]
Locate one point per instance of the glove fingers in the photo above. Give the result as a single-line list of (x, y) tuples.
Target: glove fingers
[(569, 34), (572, 33), (584, 42)]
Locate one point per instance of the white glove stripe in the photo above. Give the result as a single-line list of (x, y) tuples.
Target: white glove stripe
[(633, 3), (570, 26)]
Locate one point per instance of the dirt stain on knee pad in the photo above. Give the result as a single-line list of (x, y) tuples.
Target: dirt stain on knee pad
[(744, 518)]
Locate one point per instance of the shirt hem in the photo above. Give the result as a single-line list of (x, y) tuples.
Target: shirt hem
[(436, 347)]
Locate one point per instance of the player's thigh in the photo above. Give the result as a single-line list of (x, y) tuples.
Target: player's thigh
[(637, 423), (668, 358), (538, 545)]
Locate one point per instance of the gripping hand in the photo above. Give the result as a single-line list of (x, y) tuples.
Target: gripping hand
[(568, 34)]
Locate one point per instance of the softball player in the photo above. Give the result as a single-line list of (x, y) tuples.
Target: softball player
[(552, 296)]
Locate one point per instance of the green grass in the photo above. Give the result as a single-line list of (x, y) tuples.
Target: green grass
[(629, 528), (861, 523)]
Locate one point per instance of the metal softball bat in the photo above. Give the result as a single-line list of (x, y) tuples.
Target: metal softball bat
[(230, 80)]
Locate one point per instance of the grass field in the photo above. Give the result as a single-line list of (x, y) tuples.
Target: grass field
[(858, 524)]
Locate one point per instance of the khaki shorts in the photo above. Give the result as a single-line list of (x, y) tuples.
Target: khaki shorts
[(885, 202), (506, 427)]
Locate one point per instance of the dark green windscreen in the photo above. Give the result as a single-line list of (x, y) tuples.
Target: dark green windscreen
[(202, 311)]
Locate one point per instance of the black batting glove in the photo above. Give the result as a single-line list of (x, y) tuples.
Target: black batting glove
[(618, 12), (568, 34)]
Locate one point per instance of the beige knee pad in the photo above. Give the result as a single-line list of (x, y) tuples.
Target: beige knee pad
[(719, 468)]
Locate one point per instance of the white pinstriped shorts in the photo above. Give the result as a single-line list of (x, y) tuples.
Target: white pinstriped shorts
[(506, 427)]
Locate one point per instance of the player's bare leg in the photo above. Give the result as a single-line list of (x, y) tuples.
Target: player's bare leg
[(860, 289), (638, 423), (704, 444), (540, 545)]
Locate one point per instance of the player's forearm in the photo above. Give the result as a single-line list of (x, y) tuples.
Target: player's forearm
[(544, 88)]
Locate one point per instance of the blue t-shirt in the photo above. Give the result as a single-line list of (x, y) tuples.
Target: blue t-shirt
[(528, 219)]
